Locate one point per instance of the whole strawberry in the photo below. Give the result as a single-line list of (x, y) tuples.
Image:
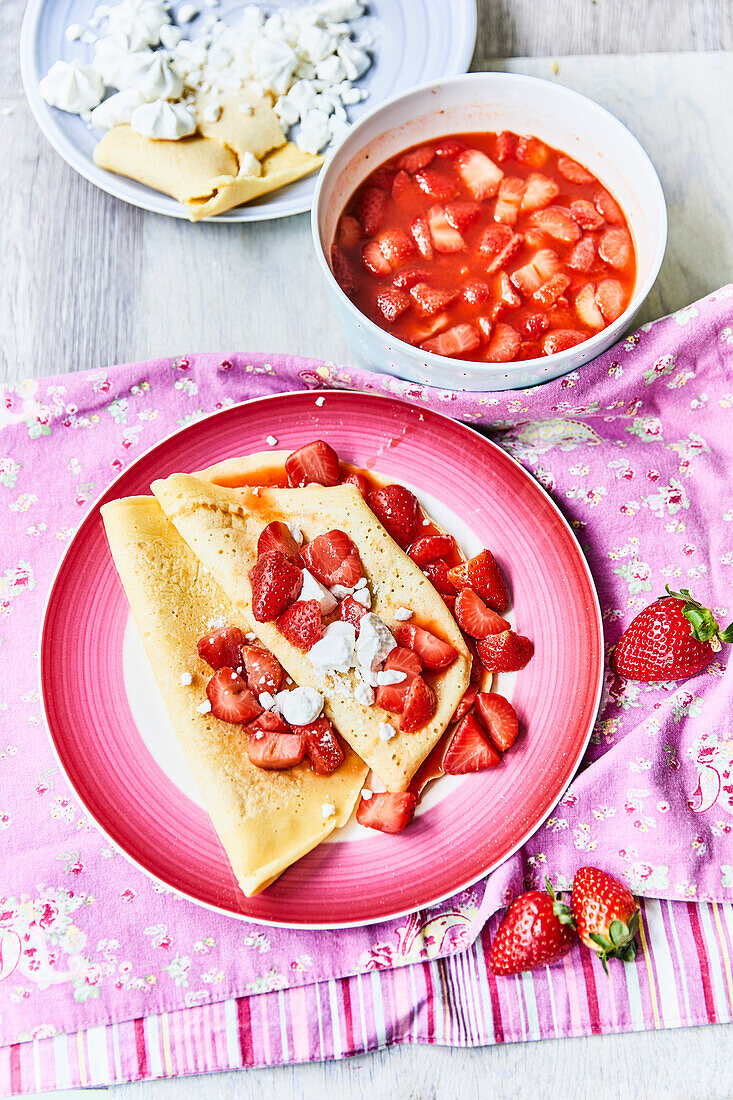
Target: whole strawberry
[(673, 638), (530, 935), (606, 915)]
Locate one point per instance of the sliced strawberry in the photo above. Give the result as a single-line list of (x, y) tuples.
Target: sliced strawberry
[(485, 325), (609, 208), (389, 813), (476, 293), (529, 349), (431, 326), (454, 341), (449, 148), (275, 751), (301, 624), (371, 209), (550, 291), (506, 146), (262, 670), (462, 214), (498, 243), (503, 345), (406, 278), (420, 233), (556, 222), (275, 583), (543, 265), (322, 745), (505, 652), (482, 574), (404, 188), (480, 175), (416, 159), (392, 302), (586, 308), (395, 246), (342, 270), (538, 193), (277, 536), (585, 214), (530, 150), (349, 231), (430, 548), (222, 647), (230, 698), (333, 559), (351, 611), (314, 464), (269, 722), (442, 234), (434, 653), (475, 618), (397, 509), (448, 600), (560, 339), (615, 247), (357, 479), (532, 324), (437, 574), (430, 300), (498, 717), (469, 750), (401, 659), (610, 298), (420, 706), (507, 294), (469, 695), (437, 183), (574, 172), (583, 255), (511, 190), (374, 259), (384, 177), (392, 697)]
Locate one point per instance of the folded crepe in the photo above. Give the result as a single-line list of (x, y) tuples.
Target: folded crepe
[(265, 820), (221, 526)]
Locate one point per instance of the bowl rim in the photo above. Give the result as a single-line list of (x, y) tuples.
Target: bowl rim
[(444, 362)]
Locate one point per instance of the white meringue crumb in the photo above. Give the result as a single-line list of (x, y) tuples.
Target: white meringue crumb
[(296, 533), (186, 679), (73, 32), (426, 522), (402, 614), (386, 731), (364, 694), (249, 164), (320, 401), (366, 794), (212, 112), (328, 810), (335, 650), (313, 590), (186, 13), (390, 676), (247, 108), (363, 596), (204, 708), (271, 441), (250, 637), (234, 676), (255, 490), (341, 591), (266, 700), (361, 583), (301, 706)]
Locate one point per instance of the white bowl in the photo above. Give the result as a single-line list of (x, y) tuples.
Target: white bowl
[(490, 102)]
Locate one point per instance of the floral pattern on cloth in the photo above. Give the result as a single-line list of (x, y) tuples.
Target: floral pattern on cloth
[(636, 450)]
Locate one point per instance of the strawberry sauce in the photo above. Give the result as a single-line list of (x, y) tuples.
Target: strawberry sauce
[(485, 247)]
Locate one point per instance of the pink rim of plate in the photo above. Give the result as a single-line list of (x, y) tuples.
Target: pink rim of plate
[(472, 830)]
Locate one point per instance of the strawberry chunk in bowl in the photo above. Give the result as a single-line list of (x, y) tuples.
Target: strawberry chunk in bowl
[(516, 221)]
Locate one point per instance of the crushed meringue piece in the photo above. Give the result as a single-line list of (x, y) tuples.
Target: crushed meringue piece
[(313, 590), (363, 596), (402, 614), (296, 533), (341, 591), (328, 810), (390, 676), (373, 647), (266, 699), (366, 794), (335, 650), (271, 441), (204, 708), (162, 120), (320, 401), (186, 679), (73, 32), (361, 583), (186, 13), (301, 706), (364, 694), (386, 731)]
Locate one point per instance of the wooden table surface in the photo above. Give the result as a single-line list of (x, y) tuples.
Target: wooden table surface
[(87, 281)]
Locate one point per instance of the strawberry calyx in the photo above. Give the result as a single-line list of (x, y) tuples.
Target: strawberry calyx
[(562, 911), (704, 624), (620, 942)]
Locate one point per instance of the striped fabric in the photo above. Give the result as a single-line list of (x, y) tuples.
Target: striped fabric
[(681, 978)]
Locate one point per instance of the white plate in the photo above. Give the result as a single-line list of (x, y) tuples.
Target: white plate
[(415, 41)]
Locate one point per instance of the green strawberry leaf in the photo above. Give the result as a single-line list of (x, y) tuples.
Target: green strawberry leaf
[(619, 932)]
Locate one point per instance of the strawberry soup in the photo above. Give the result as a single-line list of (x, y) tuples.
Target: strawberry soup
[(485, 247)]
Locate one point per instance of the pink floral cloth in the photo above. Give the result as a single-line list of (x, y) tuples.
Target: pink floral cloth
[(636, 449)]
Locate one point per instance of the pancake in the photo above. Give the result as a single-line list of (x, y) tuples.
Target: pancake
[(266, 820), (221, 525)]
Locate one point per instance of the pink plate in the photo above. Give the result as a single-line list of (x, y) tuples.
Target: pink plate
[(467, 825)]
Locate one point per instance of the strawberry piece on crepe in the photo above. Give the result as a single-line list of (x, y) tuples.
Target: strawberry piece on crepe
[(222, 647), (315, 463), (231, 700), (470, 749), (333, 559), (389, 813), (434, 653), (482, 574), (275, 583)]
